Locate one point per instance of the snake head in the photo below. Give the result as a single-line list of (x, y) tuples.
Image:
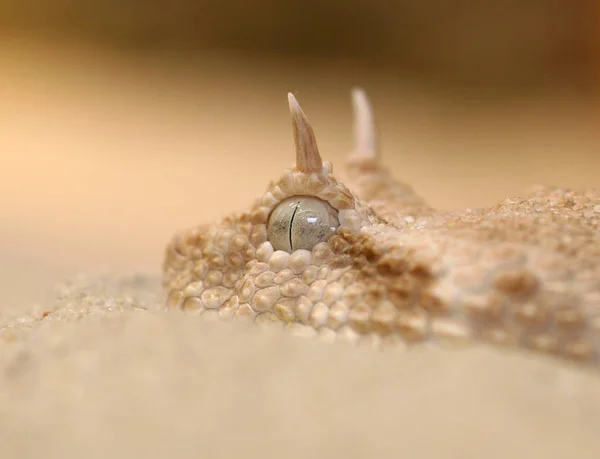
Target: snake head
[(302, 254)]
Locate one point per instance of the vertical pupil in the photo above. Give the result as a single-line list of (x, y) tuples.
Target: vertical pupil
[(297, 204)]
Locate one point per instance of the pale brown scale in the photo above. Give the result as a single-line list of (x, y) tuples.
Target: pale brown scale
[(521, 275), (384, 317), (192, 304), (413, 326), (303, 309), (284, 310)]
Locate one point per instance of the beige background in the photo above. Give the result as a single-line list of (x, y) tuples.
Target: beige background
[(123, 121), (104, 154)]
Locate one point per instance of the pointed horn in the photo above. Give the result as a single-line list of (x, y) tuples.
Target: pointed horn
[(308, 158), (365, 137)]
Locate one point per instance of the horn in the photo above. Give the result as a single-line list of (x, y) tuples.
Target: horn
[(308, 158), (365, 138)]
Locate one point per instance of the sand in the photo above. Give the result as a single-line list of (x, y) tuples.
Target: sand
[(99, 370)]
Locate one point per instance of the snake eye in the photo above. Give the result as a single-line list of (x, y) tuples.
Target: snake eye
[(301, 222)]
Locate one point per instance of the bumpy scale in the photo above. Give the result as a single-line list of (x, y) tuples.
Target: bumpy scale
[(371, 262)]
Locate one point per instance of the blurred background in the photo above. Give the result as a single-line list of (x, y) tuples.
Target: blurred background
[(122, 121)]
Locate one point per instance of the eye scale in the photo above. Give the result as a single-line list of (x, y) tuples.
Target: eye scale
[(301, 222)]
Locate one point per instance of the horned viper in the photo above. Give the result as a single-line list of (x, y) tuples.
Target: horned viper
[(359, 255)]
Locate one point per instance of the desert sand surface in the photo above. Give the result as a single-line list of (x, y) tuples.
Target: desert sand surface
[(105, 155), (104, 373)]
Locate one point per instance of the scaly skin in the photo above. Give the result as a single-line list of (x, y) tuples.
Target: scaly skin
[(524, 274)]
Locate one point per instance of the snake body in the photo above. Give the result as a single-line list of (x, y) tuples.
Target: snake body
[(521, 275)]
